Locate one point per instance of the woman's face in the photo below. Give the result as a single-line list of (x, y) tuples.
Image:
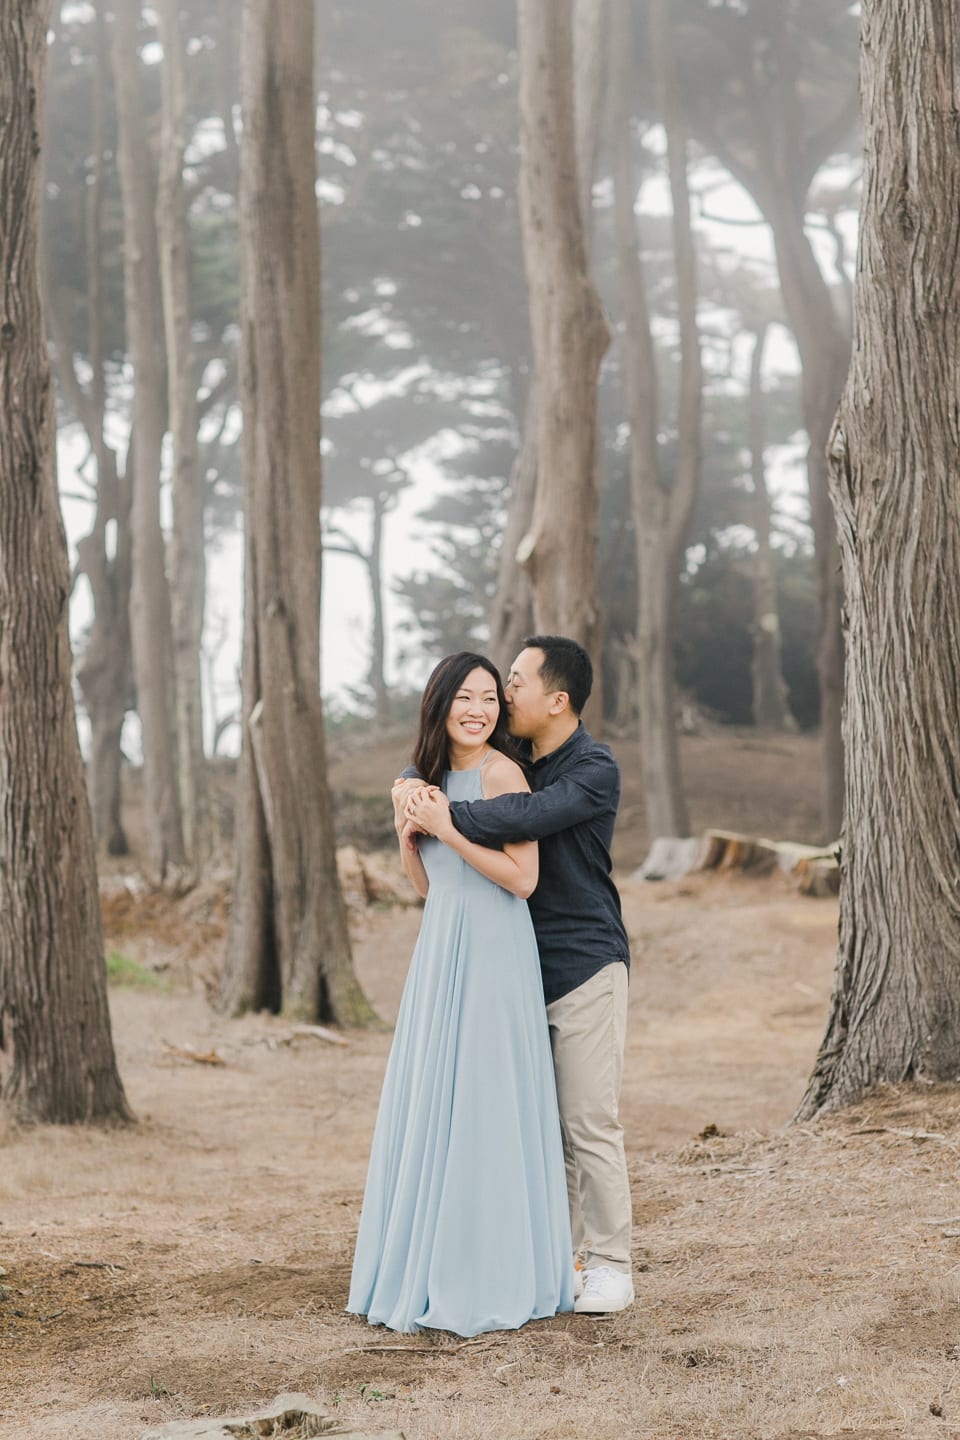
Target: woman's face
[(474, 711)]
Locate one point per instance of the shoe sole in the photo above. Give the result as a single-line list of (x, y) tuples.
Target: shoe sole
[(593, 1309)]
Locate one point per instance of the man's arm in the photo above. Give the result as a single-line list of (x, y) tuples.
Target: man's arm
[(589, 790)]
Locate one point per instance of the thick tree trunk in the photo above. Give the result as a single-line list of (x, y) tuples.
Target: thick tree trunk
[(770, 711), (56, 1053), (188, 536), (895, 457), (569, 330), (288, 944), (662, 515), (150, 623)]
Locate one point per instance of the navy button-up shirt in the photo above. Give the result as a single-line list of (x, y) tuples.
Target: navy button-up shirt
[(575, 908)]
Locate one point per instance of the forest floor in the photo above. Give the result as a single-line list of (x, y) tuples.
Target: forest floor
[(793, 1282)]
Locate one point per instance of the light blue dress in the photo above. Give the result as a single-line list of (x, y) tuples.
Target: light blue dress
[(465, 1225)]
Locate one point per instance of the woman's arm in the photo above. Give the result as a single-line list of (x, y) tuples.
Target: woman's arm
[(412, 864), (517, 867)]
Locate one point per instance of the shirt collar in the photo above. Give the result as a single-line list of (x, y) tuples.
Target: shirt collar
[(572, 743)]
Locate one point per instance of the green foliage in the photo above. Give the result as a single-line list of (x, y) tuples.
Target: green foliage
[(123, 970)]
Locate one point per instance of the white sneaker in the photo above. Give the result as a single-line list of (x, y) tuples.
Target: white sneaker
[(604, 1290), (578, 1274)]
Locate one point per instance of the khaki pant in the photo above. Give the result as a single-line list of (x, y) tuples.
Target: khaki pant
[(588, 1029)]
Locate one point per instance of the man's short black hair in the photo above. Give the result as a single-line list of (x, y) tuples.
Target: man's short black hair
[(566, 666)]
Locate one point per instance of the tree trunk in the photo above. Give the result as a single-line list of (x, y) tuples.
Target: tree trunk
[(894, 461), (770, 710), (150, 623), (662, 515), (227, 79), (105, 669), (569, 331), (378, 646), (590, 25), (288, 944), (511, 611), (824, 356), (188, 537), (776, 167), (56, 1053)]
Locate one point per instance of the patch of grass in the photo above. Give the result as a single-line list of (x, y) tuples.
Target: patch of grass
[(124, 970), (373, 1396)]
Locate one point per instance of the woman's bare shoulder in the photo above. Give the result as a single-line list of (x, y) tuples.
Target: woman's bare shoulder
[(502, 776)]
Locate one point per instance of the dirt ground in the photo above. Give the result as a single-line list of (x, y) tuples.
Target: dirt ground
[(793, 1283)]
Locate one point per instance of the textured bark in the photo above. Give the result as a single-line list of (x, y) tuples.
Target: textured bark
[(188, 536), (894, 459), (150, 622), (569, 331), (770, 710), (56, 1053), (662, 515), (288, 944)]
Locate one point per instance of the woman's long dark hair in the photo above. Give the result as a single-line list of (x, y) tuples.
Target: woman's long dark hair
[(431, 754)]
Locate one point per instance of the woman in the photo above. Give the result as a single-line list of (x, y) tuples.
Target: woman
[(464, 1224)]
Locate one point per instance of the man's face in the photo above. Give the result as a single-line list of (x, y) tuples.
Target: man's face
[(528, 704)]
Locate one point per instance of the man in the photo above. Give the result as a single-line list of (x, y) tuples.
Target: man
[(584, 952)]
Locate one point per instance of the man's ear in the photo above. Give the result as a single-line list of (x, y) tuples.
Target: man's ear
[(559, 703)]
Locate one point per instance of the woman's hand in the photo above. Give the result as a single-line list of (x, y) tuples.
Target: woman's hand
[(400, 794), (429, 810), (408, 836)]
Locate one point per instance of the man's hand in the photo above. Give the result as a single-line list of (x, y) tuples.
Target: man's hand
[(429, 809)]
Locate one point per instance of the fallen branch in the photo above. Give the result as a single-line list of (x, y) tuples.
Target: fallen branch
[(320, 1032), (906, 1135), (199, 1057), (472, 1344)]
